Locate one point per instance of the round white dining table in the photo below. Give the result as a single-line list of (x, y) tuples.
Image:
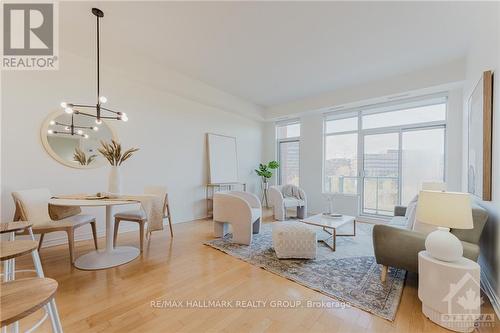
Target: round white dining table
[(111, 256)]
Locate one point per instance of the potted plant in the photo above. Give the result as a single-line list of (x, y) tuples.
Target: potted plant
[(113, 153), (265, 173)]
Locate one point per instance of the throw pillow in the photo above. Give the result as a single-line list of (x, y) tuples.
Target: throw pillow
[(411, 212)]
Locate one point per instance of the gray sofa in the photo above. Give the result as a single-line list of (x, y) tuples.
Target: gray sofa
[(397, 246)]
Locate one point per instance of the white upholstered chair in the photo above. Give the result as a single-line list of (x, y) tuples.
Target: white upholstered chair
[(138, 215), (242, 210), (287, 196), (33, 206)]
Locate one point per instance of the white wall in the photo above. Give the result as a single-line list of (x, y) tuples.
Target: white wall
[(432, 77), (168, 129), (484, 55), (311, 146)]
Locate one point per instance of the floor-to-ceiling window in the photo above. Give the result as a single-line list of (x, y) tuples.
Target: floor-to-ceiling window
[(341, 154), (288, 140), (385, 152)]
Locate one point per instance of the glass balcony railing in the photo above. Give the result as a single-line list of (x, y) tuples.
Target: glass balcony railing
[(380, 193)]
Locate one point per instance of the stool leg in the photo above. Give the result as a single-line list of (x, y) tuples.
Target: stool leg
[(6, 271), (6, 277), (56, 322), (51, 307), (12, 266), (12, 276)]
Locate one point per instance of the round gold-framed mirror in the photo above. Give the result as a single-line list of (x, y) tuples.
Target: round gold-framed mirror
[(72, 140)]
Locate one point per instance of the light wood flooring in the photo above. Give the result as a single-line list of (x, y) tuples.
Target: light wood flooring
[(183, 269)]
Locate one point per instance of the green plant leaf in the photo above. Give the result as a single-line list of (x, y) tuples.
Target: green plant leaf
[(273, 165)]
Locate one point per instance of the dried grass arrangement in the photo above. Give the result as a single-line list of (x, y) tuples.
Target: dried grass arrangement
[(80, 157), (113, 152)]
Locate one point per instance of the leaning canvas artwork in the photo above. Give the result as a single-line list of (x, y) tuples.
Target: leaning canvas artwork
[(479, 138)]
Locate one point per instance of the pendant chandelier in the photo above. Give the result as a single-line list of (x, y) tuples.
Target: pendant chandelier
[(71, 129), (101, 111)]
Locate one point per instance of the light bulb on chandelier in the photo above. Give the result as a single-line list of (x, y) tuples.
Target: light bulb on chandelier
[(101, 112)]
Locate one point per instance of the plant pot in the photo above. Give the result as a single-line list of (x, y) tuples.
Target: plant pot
[(115, 181), (265, 188)]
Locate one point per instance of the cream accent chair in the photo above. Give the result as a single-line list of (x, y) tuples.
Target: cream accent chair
[(138, 216), (242, 210), (287, 196), (33, 205)]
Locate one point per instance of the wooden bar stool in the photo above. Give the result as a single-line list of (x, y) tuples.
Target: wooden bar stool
[(21, 298), (9, 251)]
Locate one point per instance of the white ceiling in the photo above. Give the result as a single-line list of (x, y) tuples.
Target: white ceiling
[(275, 52)]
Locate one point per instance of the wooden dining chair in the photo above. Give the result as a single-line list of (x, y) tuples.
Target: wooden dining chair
[(138, 216), (33, 205)]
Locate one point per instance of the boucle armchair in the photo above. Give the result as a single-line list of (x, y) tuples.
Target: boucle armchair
[(287, 196), (242, 210)]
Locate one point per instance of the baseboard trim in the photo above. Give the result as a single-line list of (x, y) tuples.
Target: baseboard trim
[(489, 290), (62, 239)]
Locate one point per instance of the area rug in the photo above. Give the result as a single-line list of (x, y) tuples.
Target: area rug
[(349, 275)]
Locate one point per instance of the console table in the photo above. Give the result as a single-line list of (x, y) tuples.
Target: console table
[(211, 188)]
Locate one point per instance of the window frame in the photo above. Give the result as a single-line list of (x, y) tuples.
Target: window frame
[(285, 140), (358, 112)]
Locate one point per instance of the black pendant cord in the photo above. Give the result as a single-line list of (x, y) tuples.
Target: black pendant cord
[(98, 43), (98, 70)]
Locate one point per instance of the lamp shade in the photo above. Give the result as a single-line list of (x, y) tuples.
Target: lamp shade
[(445, 209)]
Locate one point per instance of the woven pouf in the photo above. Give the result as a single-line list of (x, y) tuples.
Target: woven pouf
[(294, 240)]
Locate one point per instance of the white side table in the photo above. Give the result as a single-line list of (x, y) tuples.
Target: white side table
[(449, 291)]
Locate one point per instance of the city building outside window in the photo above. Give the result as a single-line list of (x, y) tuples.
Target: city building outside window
[(288, 151), (385, 152)]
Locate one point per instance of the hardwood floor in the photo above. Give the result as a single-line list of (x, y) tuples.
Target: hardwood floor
[(183, 269)]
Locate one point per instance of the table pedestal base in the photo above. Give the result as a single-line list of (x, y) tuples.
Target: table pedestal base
[(108, 258)]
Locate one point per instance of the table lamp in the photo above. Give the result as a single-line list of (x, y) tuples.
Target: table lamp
[(445, 210)]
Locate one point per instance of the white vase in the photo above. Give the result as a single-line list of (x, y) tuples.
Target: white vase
[(115, 180)]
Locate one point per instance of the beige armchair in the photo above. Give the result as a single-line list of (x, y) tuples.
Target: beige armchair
[(242, 210), (33, 206), (287, 196), (396, 246)]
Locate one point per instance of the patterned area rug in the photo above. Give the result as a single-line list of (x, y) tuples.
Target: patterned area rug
[(349, 274)]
